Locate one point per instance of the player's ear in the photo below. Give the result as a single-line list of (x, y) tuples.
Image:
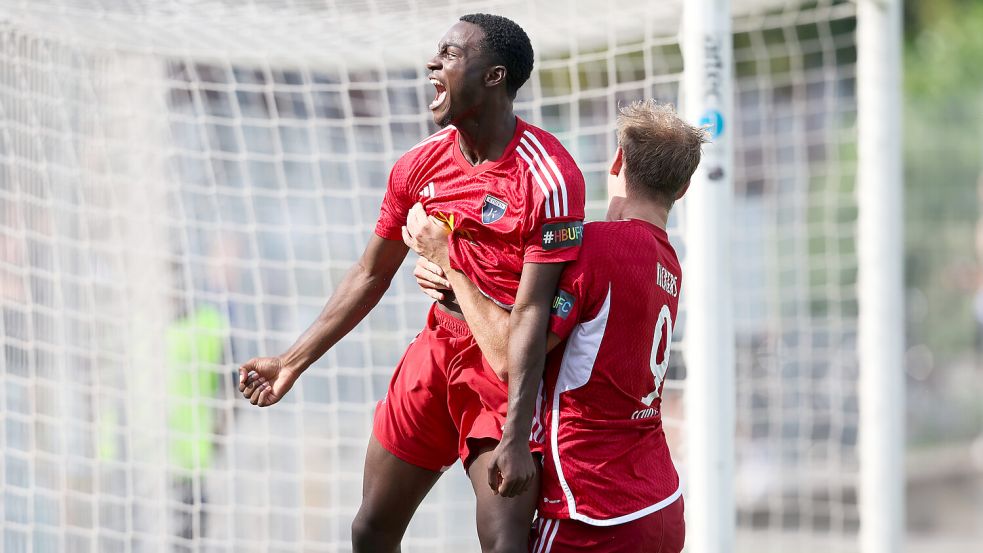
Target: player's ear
[(495, 76), (616, 163), (682, 190)]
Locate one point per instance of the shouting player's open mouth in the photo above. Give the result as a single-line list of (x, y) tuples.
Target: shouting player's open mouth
[(441, 94)]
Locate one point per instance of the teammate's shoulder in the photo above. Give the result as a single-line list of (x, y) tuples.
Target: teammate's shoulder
[(597, 239), (616, 236), (604, 230)]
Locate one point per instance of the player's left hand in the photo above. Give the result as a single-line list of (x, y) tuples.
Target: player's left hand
[(265, 380), (426, 236), (511, 468)]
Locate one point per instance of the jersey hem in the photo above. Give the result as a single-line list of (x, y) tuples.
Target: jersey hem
[(614, 521), (407, 458)]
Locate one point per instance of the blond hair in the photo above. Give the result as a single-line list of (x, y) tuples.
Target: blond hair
[(661, 151)]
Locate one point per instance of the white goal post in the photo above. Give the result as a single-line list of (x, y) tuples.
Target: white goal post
[(184, 182)]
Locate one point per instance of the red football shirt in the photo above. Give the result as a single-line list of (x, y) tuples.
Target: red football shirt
[(606, 460), (526, 206)]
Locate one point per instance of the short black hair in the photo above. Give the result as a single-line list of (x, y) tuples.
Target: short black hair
[(508, 45)]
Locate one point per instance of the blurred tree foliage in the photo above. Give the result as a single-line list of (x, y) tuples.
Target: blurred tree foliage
[(943, 84)]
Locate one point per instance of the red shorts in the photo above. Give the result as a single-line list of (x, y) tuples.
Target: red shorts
[(663, 531), (443, 399)]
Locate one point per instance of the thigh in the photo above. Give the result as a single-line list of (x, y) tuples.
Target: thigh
[(392, 489), (476, 400), (674, 527), (503, 522)]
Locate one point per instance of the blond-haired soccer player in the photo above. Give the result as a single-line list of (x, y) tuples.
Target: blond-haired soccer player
[(608, 483)]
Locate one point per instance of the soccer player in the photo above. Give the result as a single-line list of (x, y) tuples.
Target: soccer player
[(508, 190), (608, 484)]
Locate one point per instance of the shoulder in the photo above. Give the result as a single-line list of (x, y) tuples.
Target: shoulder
[(426, 148), (537, 143), (549, 169), (418, 158), (594, 249), (604, 232)]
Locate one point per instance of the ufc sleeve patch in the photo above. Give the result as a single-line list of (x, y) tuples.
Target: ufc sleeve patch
[(562, 304)]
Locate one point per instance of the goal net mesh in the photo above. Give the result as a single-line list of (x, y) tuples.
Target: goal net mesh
[(183, 184)]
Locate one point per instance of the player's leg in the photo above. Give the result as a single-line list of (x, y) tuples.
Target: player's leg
[(503, 522), (392, 489), (413, 440), (477, 401), (674, 527)]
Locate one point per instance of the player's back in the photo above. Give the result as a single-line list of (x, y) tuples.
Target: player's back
[(607, 458)]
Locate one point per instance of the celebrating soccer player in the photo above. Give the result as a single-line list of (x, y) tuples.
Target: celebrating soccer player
[(514, 200), (608, 484)]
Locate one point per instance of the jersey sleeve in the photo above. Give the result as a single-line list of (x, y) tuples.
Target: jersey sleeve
[(569, 302), (397, 201), (555, 224)]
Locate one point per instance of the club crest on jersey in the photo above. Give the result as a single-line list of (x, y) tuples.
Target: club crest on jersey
[(492, 210)]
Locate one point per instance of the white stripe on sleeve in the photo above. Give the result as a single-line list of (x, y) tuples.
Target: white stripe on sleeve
[(539, 180), (559, 175), (545, 171)]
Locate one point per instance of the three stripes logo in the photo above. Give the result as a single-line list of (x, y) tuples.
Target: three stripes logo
[(546, 174), (428, 191)]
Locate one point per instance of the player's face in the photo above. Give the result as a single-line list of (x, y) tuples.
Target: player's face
[(457, 72)]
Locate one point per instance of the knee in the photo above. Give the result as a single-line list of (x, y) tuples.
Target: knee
[(505, 548), (371, 535), (503, 544)]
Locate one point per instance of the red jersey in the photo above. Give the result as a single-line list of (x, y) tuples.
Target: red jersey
[(526, 206), (606, 460)]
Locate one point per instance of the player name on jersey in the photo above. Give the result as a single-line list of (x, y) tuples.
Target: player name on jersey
[(667, 281)]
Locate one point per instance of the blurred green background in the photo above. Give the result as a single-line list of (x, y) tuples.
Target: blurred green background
[(943, 65)]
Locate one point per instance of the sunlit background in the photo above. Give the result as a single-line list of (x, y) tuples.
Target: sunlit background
[(182, 184)]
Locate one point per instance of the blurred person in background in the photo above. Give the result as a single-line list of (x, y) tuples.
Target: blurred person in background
[(195, 347)]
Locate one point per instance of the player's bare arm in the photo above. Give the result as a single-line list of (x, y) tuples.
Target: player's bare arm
[(265, 380), (526, 357)]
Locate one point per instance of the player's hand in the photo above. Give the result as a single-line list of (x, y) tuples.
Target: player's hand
[(264, 380), (430, 279), (426, 236), (511, 468)]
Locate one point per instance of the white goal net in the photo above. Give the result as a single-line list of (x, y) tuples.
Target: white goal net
[(183, 183)]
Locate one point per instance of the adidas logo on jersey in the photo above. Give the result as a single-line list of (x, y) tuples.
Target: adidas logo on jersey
[(428, 191), (667, 281)]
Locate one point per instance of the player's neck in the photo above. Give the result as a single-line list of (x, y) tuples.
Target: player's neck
[(486, 136), (646, 210)]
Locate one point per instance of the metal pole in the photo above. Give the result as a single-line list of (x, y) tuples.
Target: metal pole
[(709, 338), (881, 300)]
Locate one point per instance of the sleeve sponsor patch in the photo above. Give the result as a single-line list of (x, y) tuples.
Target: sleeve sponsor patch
[(562, 235), (562, 304)]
